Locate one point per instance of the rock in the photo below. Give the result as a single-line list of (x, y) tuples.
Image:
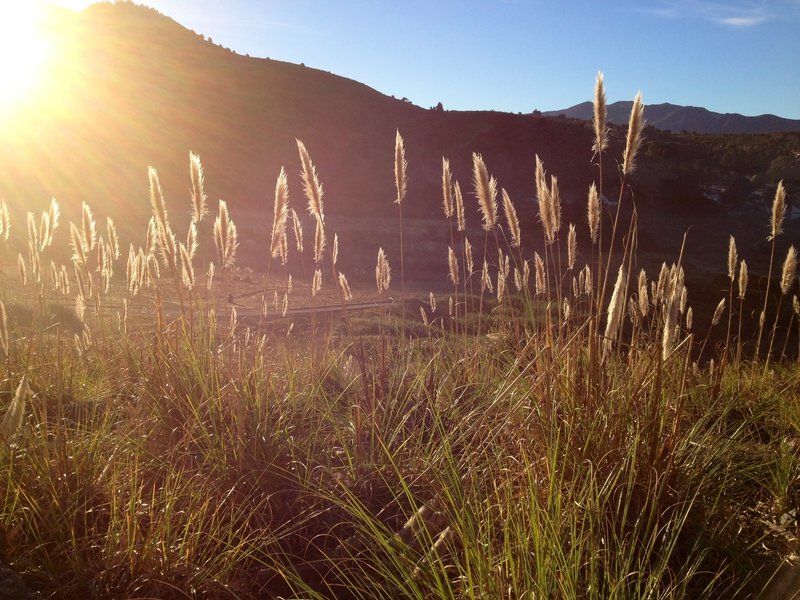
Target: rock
[(13, 588)]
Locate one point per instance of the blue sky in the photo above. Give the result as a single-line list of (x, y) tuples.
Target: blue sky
[(519, 55)]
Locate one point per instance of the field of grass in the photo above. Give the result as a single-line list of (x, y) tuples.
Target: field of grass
[(545, 430)]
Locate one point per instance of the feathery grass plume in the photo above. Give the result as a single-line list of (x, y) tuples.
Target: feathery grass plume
[(15, 414), (486, 280), (663, 283), (543, 197), (289, 284), (684, 298), (113, 238), (644, 302), (470, 265), (285, 308), (587, 280), (452, 263), (23, 271), (198, 194), (319, 242), (225, 237), (191, 239), (504, 266), (88, 228), (44, 236), (718, 312), (280, 214), (778, 212), (450, 306), (572, 247), (566, 310), (593, 213), (521, 277), (485, 191), (5, 221), (432, 301), (130, 269), (460, 218), (187, 271), (789, 270), (297, 225), (101, 254), (335, 249), (511, 218), (447, 189), (383, 273), (796, 305), (501, 287), (345, 287), (599, 120), (210, 275), (151, 240), (555, 204), (634, 138), (157, 202), (54, 213), (732, 258), (400, 165), (540, 278), (3, 328), (689, 319), (33, 234), (316, 282), (614, 311), (424, 316), (311, 185), (82, 289), (672, 293)]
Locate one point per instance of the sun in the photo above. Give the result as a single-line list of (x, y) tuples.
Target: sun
[(24, 51)]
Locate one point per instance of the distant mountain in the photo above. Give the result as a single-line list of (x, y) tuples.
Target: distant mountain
[(673, 117)]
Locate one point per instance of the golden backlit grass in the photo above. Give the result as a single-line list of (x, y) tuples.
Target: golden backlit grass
[(542, 431)]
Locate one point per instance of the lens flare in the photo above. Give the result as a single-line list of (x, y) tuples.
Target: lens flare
[(24, 51)]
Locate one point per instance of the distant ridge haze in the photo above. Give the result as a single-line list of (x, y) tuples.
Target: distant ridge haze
[(673, 117)]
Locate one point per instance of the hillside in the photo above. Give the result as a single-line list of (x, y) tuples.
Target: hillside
[(672, 117), (155, 90)]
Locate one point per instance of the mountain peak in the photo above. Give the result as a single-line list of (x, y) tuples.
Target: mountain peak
[(674, 117)]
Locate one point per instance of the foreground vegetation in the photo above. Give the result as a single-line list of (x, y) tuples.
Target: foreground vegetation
[(545, 430)]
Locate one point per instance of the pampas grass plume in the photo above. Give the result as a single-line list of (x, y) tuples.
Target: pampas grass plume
[(789, 270), (572, 247), (511, 218), (718, 312), (593, 213), (447, 189), (400, 165), (311, 185), (599, 120), (778, 212), (198, 194), (460, 219), (452, 263), (280, 214), (15, 414), (485, 191), (742, 279), (634, 137)]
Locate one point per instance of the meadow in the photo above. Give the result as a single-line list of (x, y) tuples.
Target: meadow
[(557, 425)]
